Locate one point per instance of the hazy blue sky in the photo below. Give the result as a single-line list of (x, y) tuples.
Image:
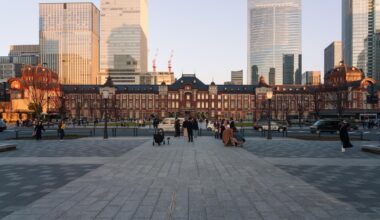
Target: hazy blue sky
[(208, 36)]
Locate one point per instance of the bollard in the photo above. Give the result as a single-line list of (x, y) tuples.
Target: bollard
[(16, 134), (361, 135)]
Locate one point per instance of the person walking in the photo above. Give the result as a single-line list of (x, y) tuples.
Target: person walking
[(61, 130), (156, 122), (177, 128), (187, 124), (38, 130), (195, 126), (343, 134)]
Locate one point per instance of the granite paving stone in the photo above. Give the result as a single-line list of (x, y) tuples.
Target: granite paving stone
[(201, 180)]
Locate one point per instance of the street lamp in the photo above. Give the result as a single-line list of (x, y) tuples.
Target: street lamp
[(269, 97), (106, 92)]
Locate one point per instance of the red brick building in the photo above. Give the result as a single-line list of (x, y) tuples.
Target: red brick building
[(344, 94)]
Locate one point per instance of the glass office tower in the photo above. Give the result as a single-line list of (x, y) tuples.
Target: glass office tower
[(69, 41), (361, 28), (124, 33), (274, 29)]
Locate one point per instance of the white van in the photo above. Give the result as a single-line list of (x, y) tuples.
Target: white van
[(167, 124)]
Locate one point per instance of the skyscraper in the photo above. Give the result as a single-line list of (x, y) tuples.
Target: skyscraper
[(69, 41), (361, 26), (124, 33), (272, 76), (311, 78), (333, 55), (237, 77), (254, 77), (274, 29), (292, 69)]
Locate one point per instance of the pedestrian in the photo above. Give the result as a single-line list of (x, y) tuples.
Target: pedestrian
[(177, 128), (343, 133), (18, 123), (223, 127), (38, 130), (232, 123), (195, 126), (155, 123), (61, 130), (187, 124), (216, 129)]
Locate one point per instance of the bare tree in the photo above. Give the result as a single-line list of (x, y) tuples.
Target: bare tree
[(40, 83), (317, 96), (339, 98)]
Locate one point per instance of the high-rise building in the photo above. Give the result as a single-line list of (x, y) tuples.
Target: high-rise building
[(69, 41), (272, 76), (333, 55), (237, 77), (254, 77), (9, 70), (311, 78), (292, 69), (360, 28), (124, 33), (24, 54), (18, 50), (274, 29)]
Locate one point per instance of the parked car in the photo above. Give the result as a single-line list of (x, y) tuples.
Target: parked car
[(167, 124), (3, 125), (329, 125), (275, 126)]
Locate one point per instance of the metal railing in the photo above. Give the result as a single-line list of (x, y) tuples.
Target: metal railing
[(26, 133)]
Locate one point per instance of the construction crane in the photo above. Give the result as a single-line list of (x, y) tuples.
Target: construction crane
[(155, 61), (170, 61)]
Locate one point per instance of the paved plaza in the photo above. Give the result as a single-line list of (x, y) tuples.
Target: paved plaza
[(128, 178)]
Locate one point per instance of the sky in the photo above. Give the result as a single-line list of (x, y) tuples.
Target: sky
[(207, 37)]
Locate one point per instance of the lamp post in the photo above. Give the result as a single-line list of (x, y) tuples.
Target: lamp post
[(269, 97), (107, 91)]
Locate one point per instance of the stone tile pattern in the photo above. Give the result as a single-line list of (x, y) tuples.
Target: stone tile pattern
[(356, 185), (21, 185), (87, 147), (203, 180), (291, 148)]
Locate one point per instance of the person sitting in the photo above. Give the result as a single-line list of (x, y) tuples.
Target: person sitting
[(237, 140), (227, 136)]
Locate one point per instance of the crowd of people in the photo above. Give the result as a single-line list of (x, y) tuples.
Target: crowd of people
[(226, 131), (190, 127)]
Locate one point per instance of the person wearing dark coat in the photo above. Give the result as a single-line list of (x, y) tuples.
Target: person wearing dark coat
[(177, 127), (232, 123), (343, 133), (195, 125), (38, 130), (156, 122), (222, 128), (189, 127)]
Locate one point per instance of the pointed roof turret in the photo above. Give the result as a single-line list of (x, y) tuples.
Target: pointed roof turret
[(109, 82)]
